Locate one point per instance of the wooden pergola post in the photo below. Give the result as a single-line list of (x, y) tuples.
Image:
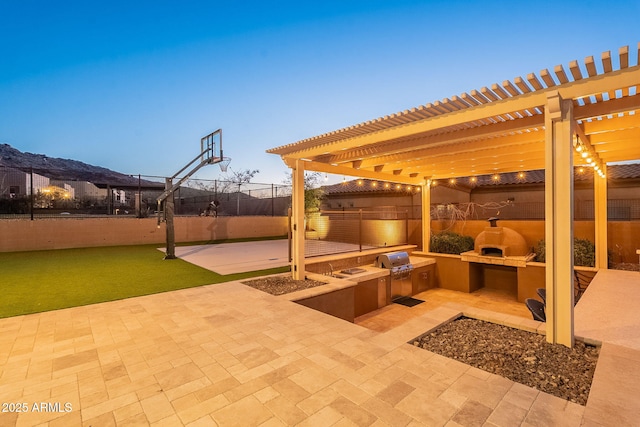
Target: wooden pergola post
[(559, 133), (426, 216), (600, 218), (297, 220)]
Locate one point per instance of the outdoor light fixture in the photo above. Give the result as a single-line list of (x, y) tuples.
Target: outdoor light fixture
[(452, 181), (496, 177), (473, 179)]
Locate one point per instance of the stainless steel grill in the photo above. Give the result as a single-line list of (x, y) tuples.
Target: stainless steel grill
[(400, 269)]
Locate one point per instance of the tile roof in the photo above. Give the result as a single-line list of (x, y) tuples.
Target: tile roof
[(614, 172)]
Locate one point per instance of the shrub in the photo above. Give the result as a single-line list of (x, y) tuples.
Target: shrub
[(451, 243), (584, 252)]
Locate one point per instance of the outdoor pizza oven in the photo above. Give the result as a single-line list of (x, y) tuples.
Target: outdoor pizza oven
[(500, 242)]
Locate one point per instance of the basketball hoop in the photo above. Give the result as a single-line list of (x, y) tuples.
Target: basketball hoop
[(224, 163)]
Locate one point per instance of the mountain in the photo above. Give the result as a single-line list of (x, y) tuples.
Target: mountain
[(66, 169)]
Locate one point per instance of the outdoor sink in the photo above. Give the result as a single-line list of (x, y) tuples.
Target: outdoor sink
[(354, 270)]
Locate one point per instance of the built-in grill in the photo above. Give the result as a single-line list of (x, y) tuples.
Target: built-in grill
[(400, 269)]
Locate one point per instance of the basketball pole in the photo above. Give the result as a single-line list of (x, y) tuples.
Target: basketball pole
[(207, 156)]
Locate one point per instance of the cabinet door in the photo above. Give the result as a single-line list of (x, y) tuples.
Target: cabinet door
[(366, 297), (384, 291), (422, 279)]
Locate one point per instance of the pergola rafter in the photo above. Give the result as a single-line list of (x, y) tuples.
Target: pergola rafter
[(537, 122), (500, 113)]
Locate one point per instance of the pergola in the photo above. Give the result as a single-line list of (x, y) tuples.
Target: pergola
[(584, 115)]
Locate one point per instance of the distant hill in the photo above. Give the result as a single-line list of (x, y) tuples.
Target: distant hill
[(65, 169)]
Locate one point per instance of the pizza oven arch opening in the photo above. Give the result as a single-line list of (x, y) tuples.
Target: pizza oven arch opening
[(491, 251)]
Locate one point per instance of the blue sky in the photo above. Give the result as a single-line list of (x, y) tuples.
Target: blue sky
[(132, 86)]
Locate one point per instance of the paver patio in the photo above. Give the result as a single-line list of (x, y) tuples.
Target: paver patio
[(230, 355)]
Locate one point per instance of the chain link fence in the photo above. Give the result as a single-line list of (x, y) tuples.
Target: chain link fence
[(38, 193), (28, 192)]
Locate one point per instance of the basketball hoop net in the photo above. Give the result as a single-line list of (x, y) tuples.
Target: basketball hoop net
[(224, 163)]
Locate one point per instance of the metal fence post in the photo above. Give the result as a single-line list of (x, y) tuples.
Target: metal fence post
[(360, 229), (406, 227), (32, 197)]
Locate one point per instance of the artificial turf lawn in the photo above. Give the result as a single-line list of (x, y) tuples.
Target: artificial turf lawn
[(33, 282)]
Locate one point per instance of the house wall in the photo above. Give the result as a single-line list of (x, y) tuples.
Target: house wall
[(85, 189), (63, 233)]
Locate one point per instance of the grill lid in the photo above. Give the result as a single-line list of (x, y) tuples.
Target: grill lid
[(393, 260)]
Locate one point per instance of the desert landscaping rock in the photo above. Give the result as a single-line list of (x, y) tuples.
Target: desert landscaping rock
[(280, 285), (520, 356)]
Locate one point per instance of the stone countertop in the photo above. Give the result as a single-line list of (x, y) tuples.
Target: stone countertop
[(420, 261)]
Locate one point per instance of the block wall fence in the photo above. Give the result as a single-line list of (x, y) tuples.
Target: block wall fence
[(63, 233)]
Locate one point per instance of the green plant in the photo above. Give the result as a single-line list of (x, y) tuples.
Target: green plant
[(584, 252), (451, 243)]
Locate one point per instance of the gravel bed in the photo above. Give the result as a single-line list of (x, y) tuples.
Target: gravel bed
[(626, 266), (280, 285), (520, 356)]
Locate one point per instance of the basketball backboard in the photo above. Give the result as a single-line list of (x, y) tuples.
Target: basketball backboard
[(211, 147)]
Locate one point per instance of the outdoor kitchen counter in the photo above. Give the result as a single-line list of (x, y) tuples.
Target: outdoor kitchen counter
[(349, 280), (336, 283), (348, 296), (420, 261)]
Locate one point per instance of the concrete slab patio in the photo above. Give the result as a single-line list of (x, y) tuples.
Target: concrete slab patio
[(230, 258), (230, 355)]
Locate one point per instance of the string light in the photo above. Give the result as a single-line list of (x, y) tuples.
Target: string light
[(590, 156)]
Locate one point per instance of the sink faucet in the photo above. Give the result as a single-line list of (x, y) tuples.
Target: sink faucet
[(330, 269)]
